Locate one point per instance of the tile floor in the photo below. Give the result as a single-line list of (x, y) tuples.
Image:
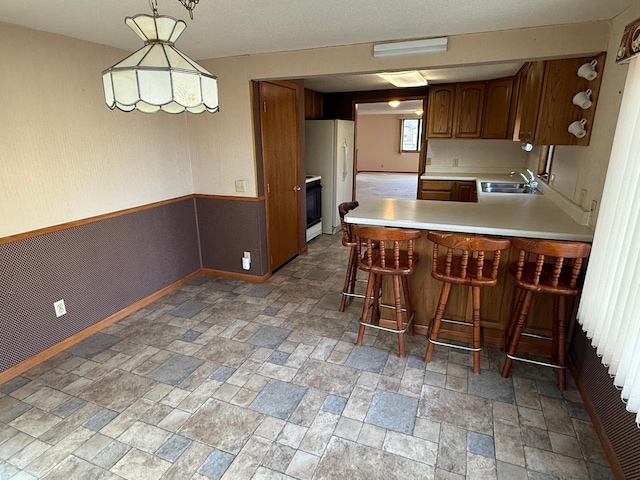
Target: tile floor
[(232, 380)]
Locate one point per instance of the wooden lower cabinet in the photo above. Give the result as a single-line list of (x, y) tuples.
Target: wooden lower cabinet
[(496, 305), (452, 190)]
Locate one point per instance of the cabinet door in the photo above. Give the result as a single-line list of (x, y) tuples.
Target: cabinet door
[(464, 192), (469, 109), (435, 189), (495, 122), (557, 110), (440, 111), (312, 105), (528, 103)]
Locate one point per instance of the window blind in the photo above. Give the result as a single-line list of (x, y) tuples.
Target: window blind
[(609, 310)]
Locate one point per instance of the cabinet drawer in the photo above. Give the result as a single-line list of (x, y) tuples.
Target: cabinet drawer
[(436, 185), (435, 195)]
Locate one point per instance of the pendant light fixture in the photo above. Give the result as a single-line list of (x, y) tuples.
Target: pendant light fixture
[(159, 76)]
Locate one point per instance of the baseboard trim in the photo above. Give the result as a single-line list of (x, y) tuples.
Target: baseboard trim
[(237, 276), (81, 335)]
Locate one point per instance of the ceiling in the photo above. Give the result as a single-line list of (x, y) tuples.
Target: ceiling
[(406, 107), (365, 82), (223, 28)]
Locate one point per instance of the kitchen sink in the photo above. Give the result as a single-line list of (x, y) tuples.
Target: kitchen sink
[(508, 187)]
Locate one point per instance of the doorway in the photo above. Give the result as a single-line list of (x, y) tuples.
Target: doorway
[(280, 152), (389, 147)]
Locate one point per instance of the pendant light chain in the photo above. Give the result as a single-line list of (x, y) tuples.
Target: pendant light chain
[(154, 7), (188, 4)]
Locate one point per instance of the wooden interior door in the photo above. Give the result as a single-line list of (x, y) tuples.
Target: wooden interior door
[(280, 156)]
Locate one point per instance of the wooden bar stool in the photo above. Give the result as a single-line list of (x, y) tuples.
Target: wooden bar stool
[(386, 260), (467, 268), (555, 271), (352, 267)]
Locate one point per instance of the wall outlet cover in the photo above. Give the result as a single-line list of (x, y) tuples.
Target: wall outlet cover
[(246, 264), (241, 186), (60, 308)]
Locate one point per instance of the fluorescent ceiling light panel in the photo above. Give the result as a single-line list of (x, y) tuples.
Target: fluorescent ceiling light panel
[(412, 47), (404, 79)]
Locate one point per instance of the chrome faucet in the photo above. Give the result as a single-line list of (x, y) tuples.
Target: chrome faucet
[(529, 182)]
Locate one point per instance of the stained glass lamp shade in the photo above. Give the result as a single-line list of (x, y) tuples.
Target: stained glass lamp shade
[(159, 76)]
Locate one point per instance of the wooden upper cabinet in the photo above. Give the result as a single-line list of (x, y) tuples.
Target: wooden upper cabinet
[(496, 118), (528, 102), (557, 110), (440, 111), (312, 105), (469, 109), (545, 104)]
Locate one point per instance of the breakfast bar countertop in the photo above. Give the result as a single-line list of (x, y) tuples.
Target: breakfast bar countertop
[(501, 214)]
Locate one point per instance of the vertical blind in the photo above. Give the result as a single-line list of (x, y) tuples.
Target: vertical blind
[(609, 310)]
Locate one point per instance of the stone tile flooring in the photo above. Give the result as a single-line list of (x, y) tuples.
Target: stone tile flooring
[(225, 379)]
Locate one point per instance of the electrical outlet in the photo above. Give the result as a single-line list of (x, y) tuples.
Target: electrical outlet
[(246, 263), (60, 308), (428, 160), (583, 195), (455, 162), (241, 186), (247, 255)]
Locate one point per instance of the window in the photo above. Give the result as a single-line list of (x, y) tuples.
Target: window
[(411, 135), (545, 161)]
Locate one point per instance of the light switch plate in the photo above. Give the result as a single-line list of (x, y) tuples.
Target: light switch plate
[(241, 186)]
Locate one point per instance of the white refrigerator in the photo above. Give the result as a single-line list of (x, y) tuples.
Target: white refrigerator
[(329, 148)]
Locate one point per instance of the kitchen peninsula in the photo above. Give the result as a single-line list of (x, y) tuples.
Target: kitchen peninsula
[(495, 214)]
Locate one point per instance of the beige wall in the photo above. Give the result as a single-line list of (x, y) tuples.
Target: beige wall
[(577, 168), (64, 155), (378, 145), (222, 145), (476, 153)]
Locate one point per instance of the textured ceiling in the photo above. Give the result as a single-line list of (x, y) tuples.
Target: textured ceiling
[(222, 28)]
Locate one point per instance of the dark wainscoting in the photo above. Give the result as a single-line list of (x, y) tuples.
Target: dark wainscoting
[(98, 268), (228, 228), (616, 426)]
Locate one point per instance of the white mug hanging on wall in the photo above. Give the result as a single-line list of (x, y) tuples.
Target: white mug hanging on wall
[(583, 99), (588, 70), (577, 128)]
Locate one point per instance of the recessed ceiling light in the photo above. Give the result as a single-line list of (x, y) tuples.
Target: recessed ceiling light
[(394, 103), (412, 78)]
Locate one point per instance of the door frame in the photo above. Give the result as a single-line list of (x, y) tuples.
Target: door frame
[(386, 97)]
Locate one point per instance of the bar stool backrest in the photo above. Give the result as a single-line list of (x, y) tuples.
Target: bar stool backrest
[(389, 256), (343, 209), (469, 266), (562, 275)]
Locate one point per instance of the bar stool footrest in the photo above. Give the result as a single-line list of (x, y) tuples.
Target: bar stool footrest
[(453, 345), (354, 295), (378, 327), (536, 362)]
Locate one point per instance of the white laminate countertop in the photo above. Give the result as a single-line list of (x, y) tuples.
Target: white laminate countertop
[(502, 214)]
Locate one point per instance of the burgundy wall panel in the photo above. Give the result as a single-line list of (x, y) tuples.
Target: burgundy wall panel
[(618, 424), (227, 229), (98, 269)]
